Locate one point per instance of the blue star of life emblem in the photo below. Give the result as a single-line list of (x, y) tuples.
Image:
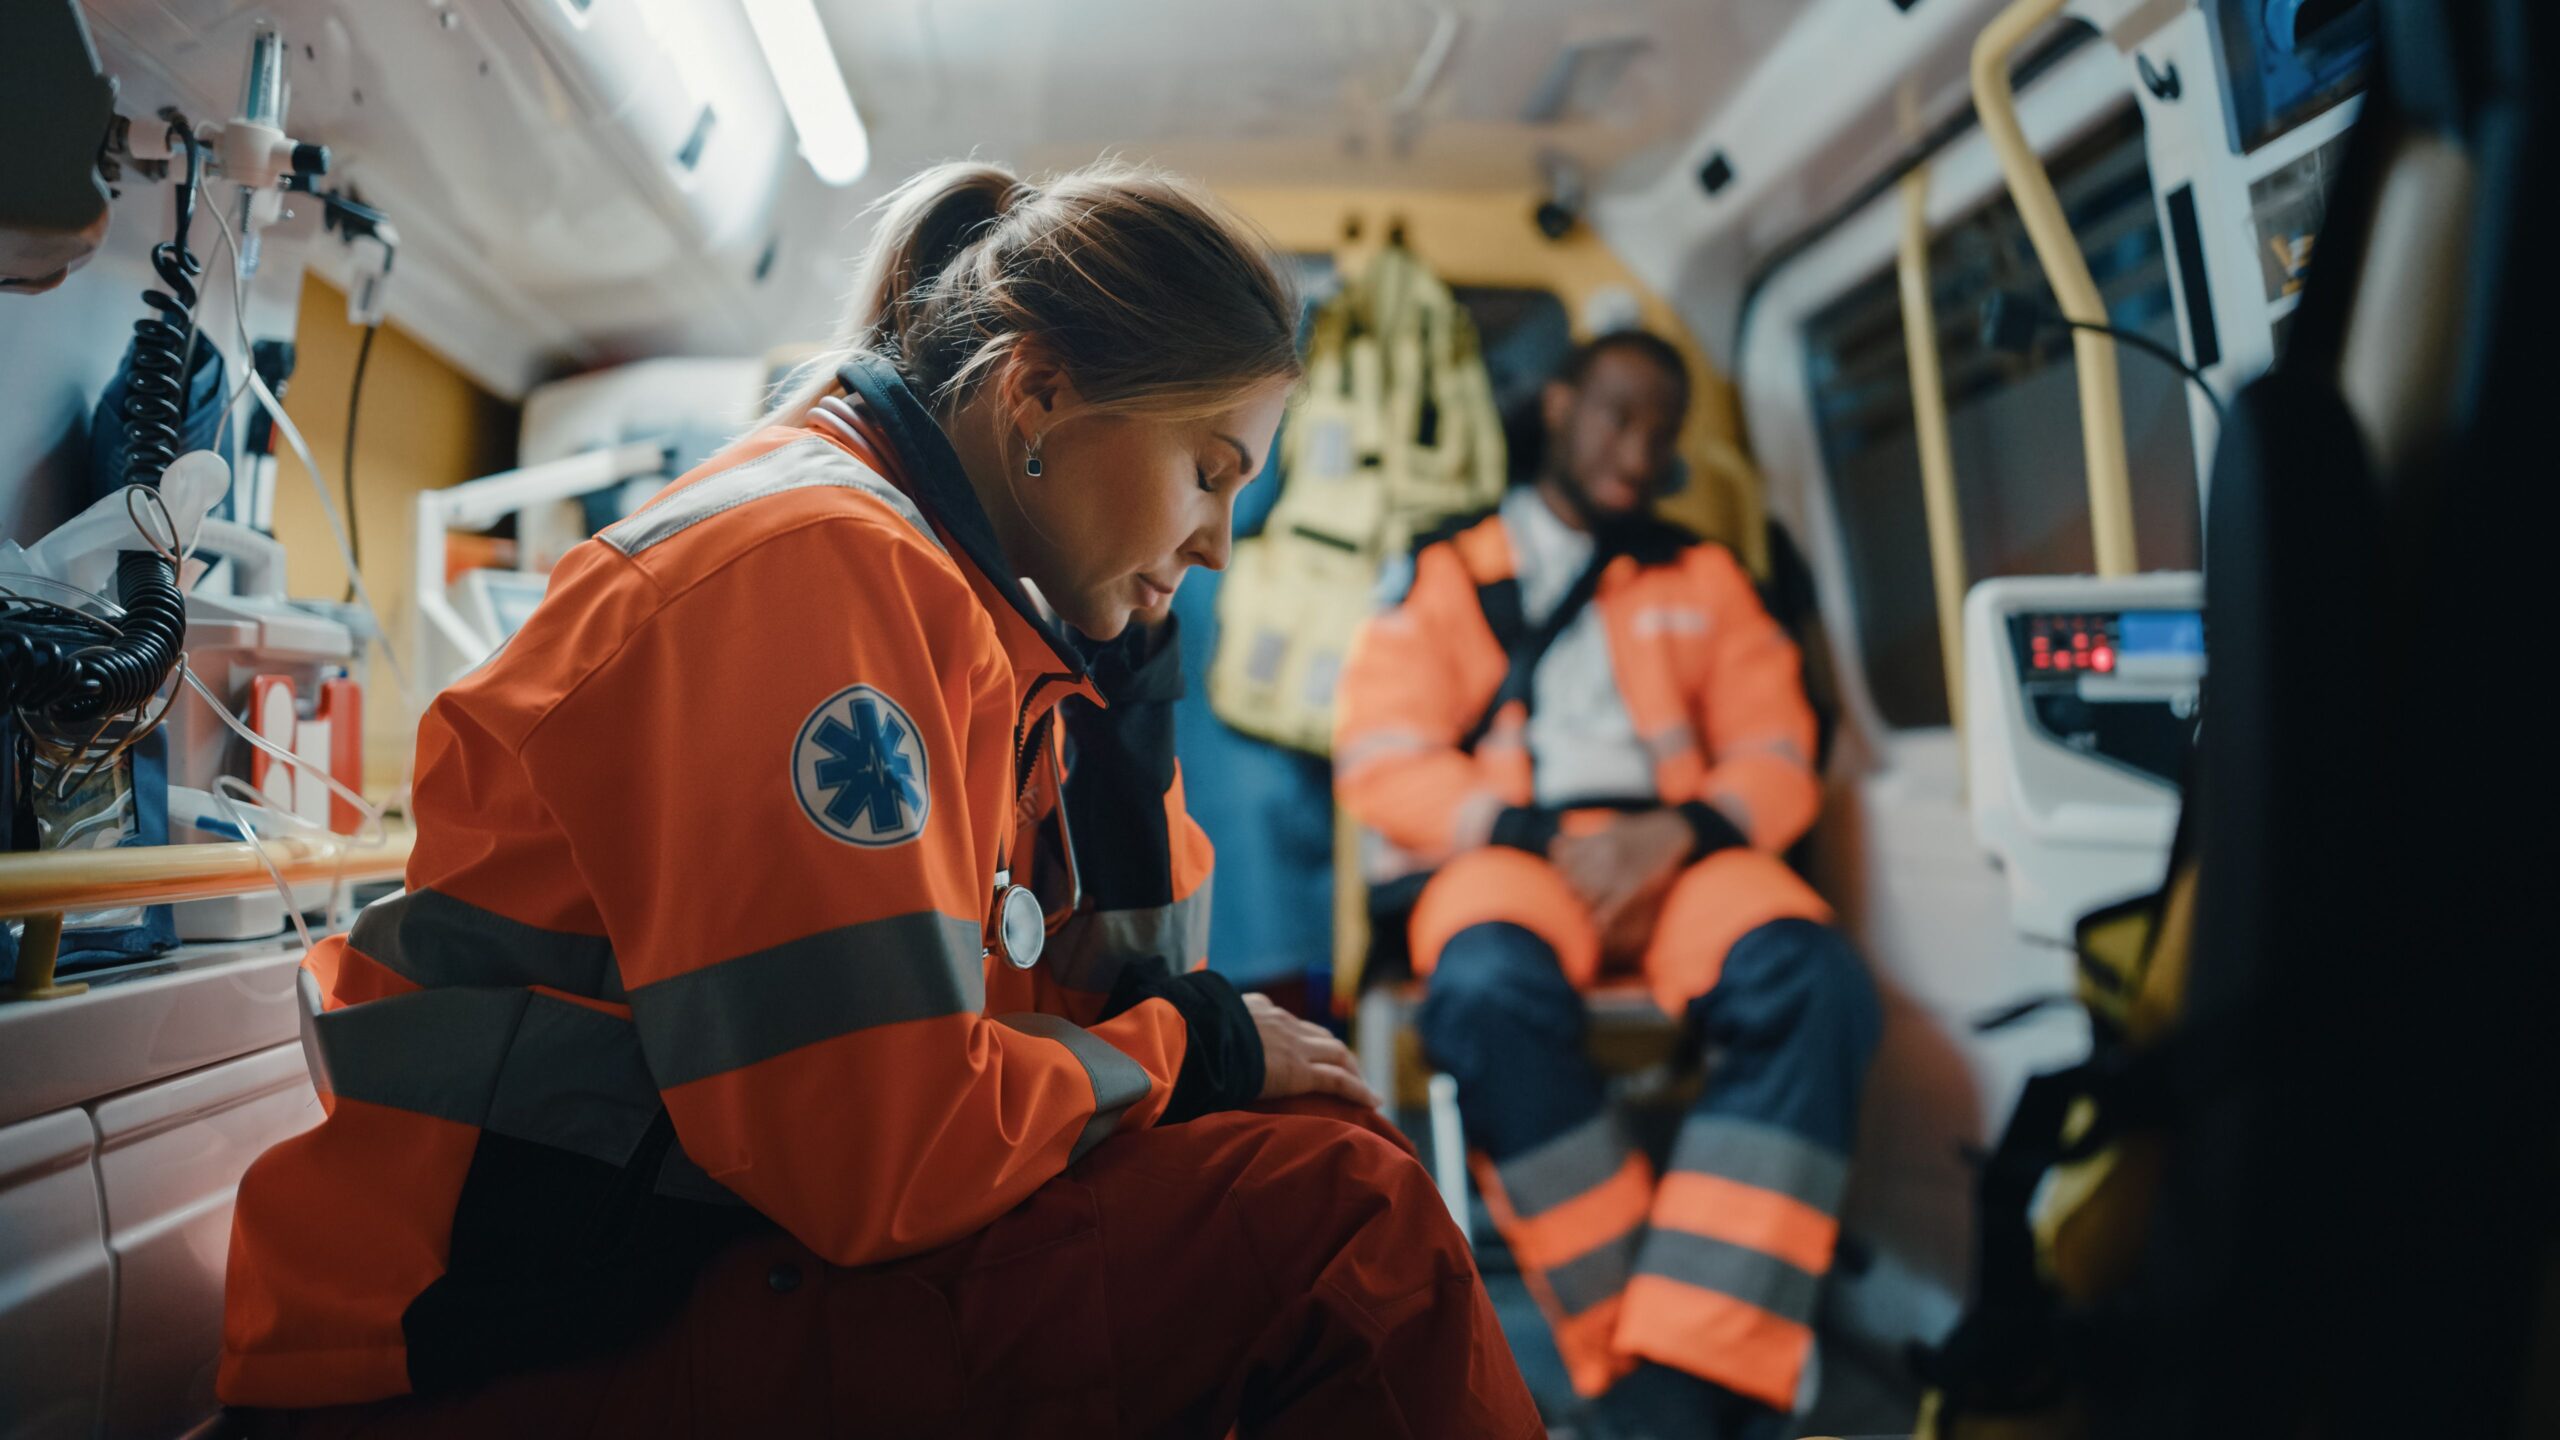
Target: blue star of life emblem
[(859, 769)]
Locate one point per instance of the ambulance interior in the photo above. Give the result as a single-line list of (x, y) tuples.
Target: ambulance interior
[(1976, 296)]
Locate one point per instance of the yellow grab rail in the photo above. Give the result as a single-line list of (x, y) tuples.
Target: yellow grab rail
[(1350, 912), (1929, 418), (43, 887), (2067, 271)]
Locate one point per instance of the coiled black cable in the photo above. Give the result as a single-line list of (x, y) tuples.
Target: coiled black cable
[(36, 656), (107, 677)]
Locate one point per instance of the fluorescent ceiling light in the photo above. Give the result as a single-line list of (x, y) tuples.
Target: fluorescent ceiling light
[(813, 89)]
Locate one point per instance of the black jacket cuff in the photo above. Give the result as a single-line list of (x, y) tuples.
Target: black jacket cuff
[(1525, 828), (1222, 1063), (1711, 830)]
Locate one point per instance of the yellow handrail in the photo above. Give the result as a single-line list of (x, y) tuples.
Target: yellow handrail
[(2067, 270), (1929, 418), (1350, 912), (42, 887)]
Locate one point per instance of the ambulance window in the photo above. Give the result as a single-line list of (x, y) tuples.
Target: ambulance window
[(2014, 418)]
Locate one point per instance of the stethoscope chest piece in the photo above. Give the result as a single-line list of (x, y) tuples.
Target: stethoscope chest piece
[(1019, 928)]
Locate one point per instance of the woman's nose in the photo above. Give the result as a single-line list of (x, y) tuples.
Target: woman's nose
[(1212, 543)]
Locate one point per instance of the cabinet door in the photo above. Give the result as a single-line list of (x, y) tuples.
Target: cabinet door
[(169, 1156), (56, 1288)]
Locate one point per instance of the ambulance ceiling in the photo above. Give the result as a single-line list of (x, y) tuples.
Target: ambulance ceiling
[(528, 150), (1446, 94)]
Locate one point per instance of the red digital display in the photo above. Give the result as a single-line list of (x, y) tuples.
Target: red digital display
[(2074, 644)]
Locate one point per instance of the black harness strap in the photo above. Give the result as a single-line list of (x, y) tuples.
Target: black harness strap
[(1526, 652)]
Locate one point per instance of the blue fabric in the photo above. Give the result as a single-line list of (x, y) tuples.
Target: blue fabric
[(1503, 1021), (1269, 811), (1794, 1019)]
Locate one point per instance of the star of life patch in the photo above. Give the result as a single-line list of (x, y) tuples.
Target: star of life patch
[(860, 770)]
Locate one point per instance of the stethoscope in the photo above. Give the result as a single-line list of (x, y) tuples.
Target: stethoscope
[(1017, 927)]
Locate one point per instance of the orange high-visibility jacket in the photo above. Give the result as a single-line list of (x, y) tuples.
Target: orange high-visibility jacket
[(695, 936), (1710, 681)]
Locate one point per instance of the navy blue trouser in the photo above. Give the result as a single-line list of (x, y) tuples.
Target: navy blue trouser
[(1713, 1267)]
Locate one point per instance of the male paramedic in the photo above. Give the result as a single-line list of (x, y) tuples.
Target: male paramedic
[(1581, 725)]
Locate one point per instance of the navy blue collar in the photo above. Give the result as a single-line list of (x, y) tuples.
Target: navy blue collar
[(943, 491)]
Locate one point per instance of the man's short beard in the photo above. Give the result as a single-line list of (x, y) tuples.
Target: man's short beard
[(1594, 520)]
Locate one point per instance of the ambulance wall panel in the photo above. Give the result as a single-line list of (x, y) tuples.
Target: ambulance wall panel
[(57, 1288), (1895, 849), (169, 1158), (146, 1023)]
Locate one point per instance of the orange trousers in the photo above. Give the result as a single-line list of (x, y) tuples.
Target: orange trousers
[(1288, 1271)]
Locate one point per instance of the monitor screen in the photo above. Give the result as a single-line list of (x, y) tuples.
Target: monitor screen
[(2284, 61), (2161, 632)]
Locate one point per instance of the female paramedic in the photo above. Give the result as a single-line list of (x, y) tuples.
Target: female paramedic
[(792, 1023)]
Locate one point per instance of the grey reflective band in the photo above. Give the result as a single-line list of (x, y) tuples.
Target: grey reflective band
[(1118, 1081), (511, 1063), (1763, 1156), (1729, 1269), (1665, 746), (1571, 1165), (733, 1014), (1782, 746), (429, 938), (574, 1078), (799, 465), (1596, 1274), (1098, 947), (434, 1052)]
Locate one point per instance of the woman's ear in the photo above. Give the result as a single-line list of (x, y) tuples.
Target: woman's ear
[(1035, 391)]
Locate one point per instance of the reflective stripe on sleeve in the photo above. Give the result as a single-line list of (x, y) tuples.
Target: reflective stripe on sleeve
[(1118, 1081), (1357, 754), (1669, 744), (431, 939), (1784, 747), (435, 1052), (511, 1063), (729, 1015)]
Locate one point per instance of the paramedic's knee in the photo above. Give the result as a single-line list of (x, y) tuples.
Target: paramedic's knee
[(1497, 993), (1330, 1181), (1713, 911), (1798, 982), (1340, 1111), (1512, 887)]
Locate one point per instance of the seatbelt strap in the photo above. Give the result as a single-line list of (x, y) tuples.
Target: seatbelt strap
[(1516, 681)]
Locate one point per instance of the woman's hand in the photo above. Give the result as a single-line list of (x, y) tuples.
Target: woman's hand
[(1623, 872), (1300, 1058)]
